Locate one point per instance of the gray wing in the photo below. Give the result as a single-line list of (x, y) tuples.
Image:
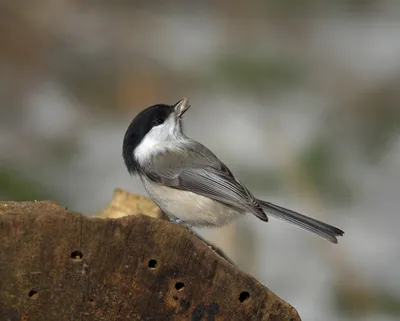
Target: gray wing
[(211, 182)]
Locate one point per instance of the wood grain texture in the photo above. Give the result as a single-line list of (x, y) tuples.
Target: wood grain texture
[(60, 265)]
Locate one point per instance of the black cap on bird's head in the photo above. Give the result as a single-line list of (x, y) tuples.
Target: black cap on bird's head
[(158, 122)]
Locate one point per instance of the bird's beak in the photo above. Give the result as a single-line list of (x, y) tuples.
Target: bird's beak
[(181, 107)]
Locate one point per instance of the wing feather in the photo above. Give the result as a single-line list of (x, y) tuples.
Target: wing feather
[(213, 183)]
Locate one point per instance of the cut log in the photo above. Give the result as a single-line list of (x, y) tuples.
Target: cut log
[(60, 265)]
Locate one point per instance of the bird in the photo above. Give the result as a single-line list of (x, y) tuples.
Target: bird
[(189, 182)]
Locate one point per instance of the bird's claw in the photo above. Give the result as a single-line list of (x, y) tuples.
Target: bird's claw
[(176, 220)]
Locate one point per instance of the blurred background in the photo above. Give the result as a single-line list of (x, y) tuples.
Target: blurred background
[(301, 99)]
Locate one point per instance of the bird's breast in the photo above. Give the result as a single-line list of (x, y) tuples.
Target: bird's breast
[(191, 208)]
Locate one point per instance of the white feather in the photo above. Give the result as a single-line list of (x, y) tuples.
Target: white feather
[(189, 207), (145, 149), (158, 139)]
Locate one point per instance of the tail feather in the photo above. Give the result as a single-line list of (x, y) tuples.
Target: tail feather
[(322, 229)]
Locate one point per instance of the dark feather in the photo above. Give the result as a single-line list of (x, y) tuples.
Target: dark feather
[(327, 231)]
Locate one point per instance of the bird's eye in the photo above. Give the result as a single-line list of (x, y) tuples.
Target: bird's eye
[(158, 121)]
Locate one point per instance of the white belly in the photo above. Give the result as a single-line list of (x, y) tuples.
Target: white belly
[(191, 208)]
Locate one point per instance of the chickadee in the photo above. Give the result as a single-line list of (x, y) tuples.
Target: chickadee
[(188, 182)]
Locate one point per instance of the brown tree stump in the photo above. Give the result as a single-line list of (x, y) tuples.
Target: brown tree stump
[(60, 265)]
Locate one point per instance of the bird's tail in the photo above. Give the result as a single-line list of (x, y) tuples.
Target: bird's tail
[(322, 229)]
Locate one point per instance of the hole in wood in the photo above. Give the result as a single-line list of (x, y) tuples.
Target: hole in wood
[(91, 303), (33, 294), (244, 296), (152, 264), (179, 286), (76, 255)]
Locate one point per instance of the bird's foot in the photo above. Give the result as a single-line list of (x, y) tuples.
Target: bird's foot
[(176, 220)]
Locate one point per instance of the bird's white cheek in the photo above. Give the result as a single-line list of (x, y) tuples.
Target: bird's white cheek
[(152, 143), (157, 139), (145, 149)]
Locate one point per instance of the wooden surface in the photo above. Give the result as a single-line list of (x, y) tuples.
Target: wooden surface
[(60, 265)]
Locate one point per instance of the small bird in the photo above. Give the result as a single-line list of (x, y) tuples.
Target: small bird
[(188, 182)]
